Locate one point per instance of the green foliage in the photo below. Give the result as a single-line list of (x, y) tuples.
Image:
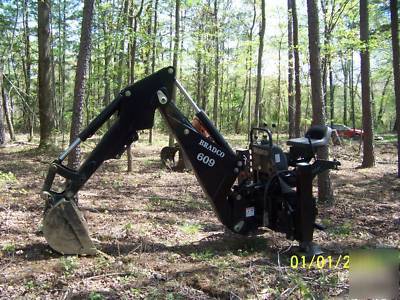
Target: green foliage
[(343, 229), (111, 60), (136, 292), (96, 296), (30, 285), (7, 177), (128, 226), (190, 229), (203, 255), (174, 296), (69, 264), (101, 263), (9, 248), (302, 286)]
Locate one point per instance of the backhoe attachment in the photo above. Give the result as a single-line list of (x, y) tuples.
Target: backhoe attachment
[(248, 189)]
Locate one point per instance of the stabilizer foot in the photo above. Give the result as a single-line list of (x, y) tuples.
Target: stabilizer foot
[(309, 249)]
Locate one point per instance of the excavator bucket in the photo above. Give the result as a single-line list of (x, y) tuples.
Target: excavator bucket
[(66, 230)]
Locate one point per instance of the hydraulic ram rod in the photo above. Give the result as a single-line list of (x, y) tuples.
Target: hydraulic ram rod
[(187, 96), (69, 149)]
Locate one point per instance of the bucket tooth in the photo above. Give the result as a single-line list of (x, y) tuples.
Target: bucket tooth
[(66, 230)]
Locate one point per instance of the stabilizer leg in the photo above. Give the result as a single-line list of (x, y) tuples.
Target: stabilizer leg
[(306, 211)]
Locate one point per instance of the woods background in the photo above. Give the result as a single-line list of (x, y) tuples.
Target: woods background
[(242, 68)]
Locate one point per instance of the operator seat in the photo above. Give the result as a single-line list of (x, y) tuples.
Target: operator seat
[(303, 149), (317, 136)]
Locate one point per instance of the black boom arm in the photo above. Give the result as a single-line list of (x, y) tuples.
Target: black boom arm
[(213, 161)]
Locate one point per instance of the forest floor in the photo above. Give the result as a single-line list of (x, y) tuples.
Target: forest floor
[(161, 240)]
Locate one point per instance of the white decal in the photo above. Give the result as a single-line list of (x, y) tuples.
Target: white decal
[(277, 158), (249, 212), (211, 148), (205, 159)]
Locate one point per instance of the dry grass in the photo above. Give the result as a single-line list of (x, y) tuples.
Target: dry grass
[(161, 239)]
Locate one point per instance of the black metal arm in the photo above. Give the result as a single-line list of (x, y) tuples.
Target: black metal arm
[(213, 160)]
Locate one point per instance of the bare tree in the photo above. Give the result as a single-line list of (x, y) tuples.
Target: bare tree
[(133, 24), (259, 66), (291, 108), (216, 64), (26, 64), (394, 21), (176, 52), (153, 53), (250, 58), (279, 95), (2, 127), (345, 68), (45, 93), (80, 79), (297, 114), (6, 109), (368, 135), (324, 184)]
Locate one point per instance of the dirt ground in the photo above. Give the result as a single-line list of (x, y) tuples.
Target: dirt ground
[(160, 239)]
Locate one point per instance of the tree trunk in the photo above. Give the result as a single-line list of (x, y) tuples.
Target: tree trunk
[(325, 58), (27, 74), (324, 184), (394, 21), (220, 90), (54, 104), (7, 110), (153, 55), (204, 87), (175, 55), (120, 65), (132, 47), (259, 67), (353, 113), (291, 105), (2, 127), (107, 61), (297, 115), (241, 109), (250, 68), (382, 102), (373, 105), (368, 137), (80, 80), (44, 74), (199, 66), (155, 27), (345, 70), (279, 90), (331, 91), (61, 67), (147, 50), (216, 65)]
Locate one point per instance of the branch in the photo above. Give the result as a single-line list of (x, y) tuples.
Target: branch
[(18, 91)]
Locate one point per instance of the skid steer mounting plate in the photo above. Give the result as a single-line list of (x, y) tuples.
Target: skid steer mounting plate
[(66, 231)]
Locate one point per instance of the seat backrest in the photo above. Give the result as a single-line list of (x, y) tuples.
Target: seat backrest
[(319, 132)]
